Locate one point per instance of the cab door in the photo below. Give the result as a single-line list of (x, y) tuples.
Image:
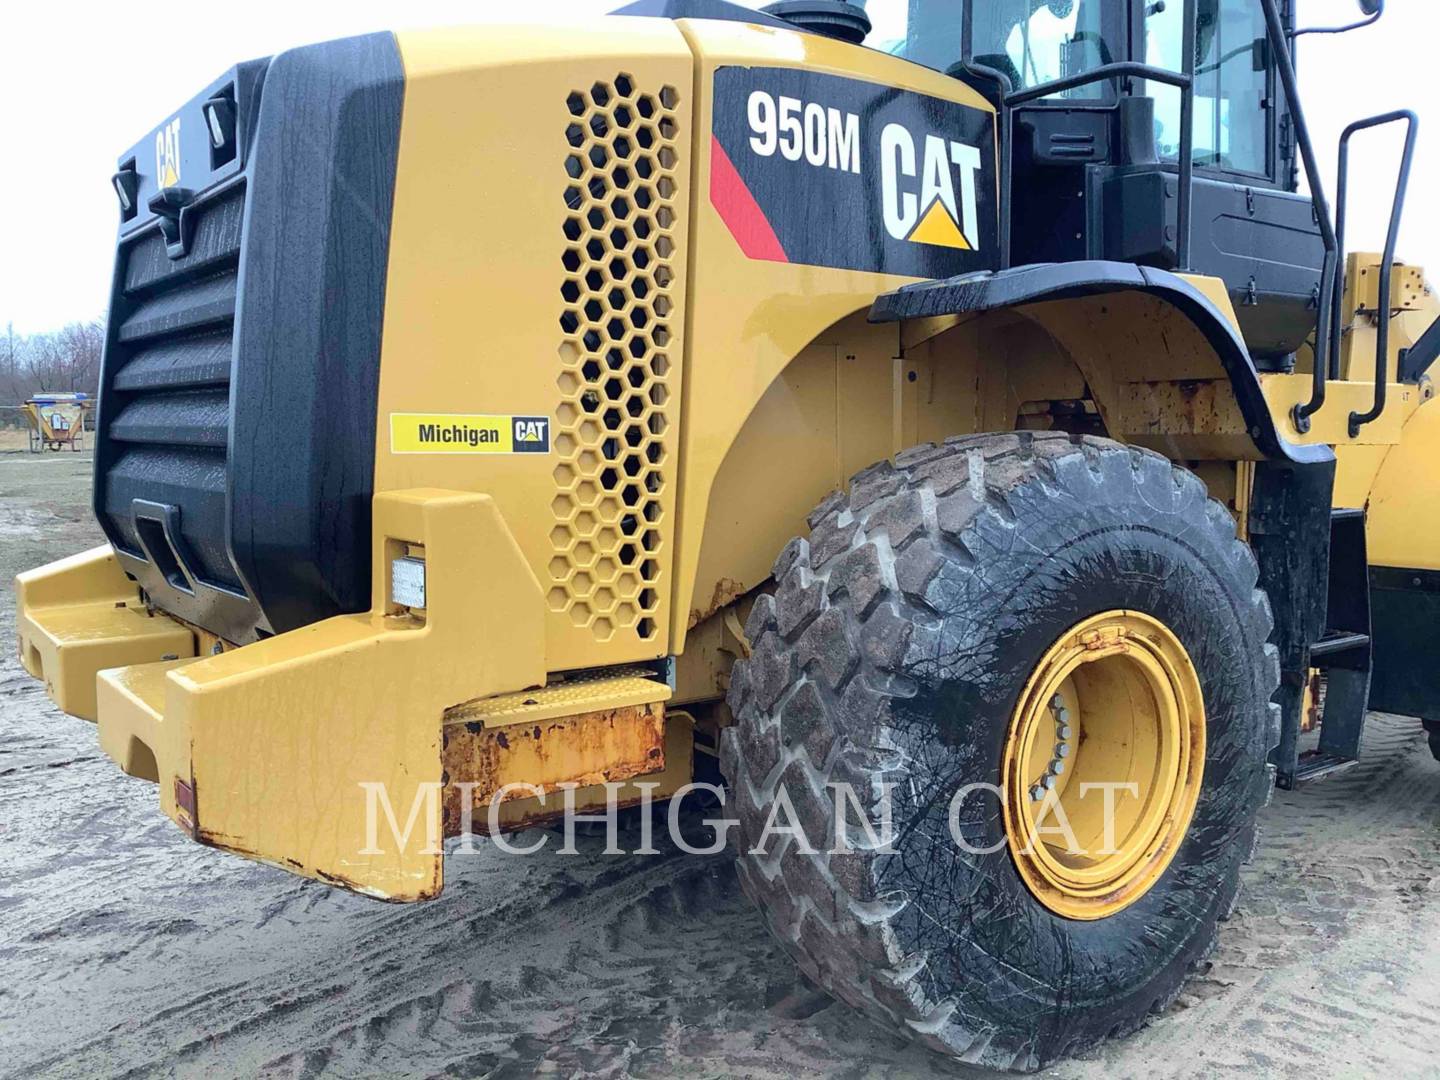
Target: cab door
[(1250, 227)]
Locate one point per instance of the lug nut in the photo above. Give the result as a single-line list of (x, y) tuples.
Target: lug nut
[(1048, 783), (1064, 731), (1057, 767), (1037, 793), (1057, 703), (1062, 750)]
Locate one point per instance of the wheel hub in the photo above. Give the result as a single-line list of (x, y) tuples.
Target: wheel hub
[(1103, 764)]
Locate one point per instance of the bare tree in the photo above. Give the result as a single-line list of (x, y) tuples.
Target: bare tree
[(80, 346), (59, 361)]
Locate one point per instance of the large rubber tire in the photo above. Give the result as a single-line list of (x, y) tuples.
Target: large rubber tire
[(893, 652)]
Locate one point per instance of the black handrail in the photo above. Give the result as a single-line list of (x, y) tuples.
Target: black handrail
[(1185, 81), (1280, 47), (1387, 264), (1006, 136), (1127, 69), (1189, 35), (1342, 213)]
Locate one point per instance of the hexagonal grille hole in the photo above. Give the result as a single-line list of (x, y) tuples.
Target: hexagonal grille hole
[(620, 153)]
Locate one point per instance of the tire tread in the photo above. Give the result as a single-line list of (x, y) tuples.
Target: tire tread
[(912, 513)]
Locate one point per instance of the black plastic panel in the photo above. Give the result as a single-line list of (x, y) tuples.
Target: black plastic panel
[(1266, 246), (235, 450), (1405, 610), (1050, 135), (192, 481), (181, 143), (307, 350), (164, 410)]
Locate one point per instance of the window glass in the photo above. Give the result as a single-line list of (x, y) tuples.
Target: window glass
[(1230, 82), (924, 31), (1032, 41), (1037, 41)]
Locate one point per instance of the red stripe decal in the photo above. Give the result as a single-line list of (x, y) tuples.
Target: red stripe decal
[(739, 210)]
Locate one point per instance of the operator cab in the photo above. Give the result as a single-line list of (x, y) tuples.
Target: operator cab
[(1096, 168)]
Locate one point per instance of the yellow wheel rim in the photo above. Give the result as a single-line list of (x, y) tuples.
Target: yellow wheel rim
[(1103, 764)]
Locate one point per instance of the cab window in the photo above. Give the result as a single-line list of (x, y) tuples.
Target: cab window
[(1038, 41), (1032, 41), (923, 31), (1231, 83)]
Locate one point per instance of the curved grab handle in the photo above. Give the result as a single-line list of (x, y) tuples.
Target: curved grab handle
[(1387, 265)]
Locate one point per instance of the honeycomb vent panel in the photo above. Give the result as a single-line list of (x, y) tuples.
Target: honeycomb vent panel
[(615, 425)]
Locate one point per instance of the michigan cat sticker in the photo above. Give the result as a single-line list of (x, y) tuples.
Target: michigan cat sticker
[(453, 433), (822, 170)]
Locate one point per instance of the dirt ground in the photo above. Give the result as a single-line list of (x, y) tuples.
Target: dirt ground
[(125, 950)]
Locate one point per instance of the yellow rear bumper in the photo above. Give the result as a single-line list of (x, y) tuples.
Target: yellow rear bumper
[(267, 750), (81, 614)]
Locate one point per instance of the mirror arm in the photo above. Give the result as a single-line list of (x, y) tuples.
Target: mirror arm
[(1374, 17)]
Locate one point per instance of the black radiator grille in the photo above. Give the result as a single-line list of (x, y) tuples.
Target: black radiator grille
[(166, 401)]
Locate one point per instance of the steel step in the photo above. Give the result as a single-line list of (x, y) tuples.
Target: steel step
[(615, 688), (1338, 641), (1317, 765)]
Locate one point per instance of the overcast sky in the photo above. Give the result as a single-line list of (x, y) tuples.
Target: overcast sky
[(79, 84)]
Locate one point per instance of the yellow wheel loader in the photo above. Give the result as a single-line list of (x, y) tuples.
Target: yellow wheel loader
[(945, 415)]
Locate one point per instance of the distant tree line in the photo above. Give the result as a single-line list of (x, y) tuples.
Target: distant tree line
[(59, 361)]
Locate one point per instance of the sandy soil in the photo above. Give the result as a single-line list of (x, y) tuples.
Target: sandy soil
[(125, 950)]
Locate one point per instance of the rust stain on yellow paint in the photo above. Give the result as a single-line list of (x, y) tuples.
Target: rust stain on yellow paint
[(586, 749)]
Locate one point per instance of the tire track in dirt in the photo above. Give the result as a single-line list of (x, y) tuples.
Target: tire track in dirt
[(126, 950), (1329, 957), (149, 956)]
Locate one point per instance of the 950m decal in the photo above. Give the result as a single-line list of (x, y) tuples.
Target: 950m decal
[(451, 433), (828, 171)]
